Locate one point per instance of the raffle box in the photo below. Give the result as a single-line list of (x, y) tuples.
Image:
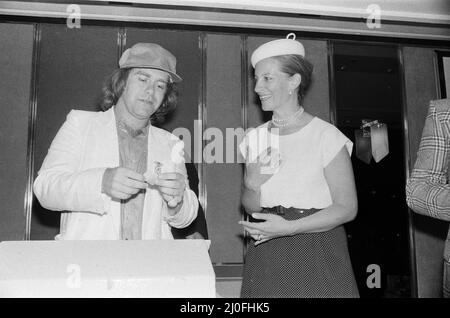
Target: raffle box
[(159, 268)]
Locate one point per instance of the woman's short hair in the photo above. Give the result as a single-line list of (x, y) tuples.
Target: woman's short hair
[(292, 64), (115, 84)]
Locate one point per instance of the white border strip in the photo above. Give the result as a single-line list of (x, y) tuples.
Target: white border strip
[(222, 19), (358, 10)]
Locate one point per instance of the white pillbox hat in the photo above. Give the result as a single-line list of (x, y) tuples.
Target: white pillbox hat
[(278, 47)]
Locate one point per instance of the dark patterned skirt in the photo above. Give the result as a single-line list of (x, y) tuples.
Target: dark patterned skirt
[(303, 266)]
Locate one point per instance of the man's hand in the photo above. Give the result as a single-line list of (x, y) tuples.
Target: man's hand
[(122, 183), (171, 185)]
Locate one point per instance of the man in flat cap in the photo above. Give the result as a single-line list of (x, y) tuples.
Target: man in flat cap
[(113, 173)]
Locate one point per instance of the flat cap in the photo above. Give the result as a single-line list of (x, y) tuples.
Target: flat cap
[(150, 55)]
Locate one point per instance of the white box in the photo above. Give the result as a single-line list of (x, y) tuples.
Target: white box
[(156, 268)]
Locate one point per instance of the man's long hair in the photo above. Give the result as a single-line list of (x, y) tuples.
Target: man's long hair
[(115, 84)]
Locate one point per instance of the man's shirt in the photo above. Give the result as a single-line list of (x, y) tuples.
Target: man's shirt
[(133, 155)]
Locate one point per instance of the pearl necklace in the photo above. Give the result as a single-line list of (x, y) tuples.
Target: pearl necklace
[(287, 121)]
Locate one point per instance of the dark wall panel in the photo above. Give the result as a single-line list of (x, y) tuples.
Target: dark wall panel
[(223, 180), (73, 64), (317, 101), (421, 87), (16, 55), (429, 233)]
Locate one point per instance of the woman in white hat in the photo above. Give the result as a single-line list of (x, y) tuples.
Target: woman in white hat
[(299, 189)]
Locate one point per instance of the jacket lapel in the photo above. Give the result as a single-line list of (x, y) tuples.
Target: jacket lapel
[(107, 140), (107, 154)]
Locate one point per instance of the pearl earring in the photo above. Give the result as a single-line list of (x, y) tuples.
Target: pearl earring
[(290, 92)]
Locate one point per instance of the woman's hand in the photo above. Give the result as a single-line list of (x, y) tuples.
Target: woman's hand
[(122, 183), (259, 171), (274, 226)]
